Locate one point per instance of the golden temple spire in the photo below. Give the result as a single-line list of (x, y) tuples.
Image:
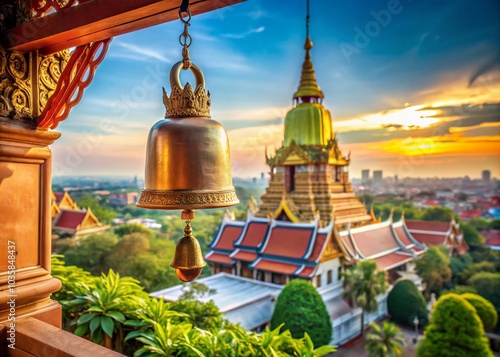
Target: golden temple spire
[(308, 87)]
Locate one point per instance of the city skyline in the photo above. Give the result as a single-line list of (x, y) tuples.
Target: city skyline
[(412, 86)]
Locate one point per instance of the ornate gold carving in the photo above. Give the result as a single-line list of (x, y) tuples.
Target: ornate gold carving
[(50, 70), (184, 102), (17, 81), (15, 85), (187, 199)]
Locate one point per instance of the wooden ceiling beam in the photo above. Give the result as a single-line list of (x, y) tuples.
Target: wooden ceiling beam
[(98, 20)]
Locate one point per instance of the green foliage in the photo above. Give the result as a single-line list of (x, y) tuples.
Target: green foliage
[(458, 264), (484, 309), (475, 268), (455, 331), (104, 212), (300, 308), (494, 224), (106, 307), (488, 286), (130, 228), (384, 341), (91, 253), (438, 213), (471, 235), (434, 270), (480, 224), (362, 284), (405, 302), (461, 289)]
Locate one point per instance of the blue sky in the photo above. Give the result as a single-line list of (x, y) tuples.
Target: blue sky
[(413, 86)]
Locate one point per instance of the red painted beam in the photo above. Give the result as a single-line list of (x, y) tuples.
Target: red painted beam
[(98, 20)]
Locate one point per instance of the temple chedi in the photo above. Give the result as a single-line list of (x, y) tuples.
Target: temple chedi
[(309, 173)]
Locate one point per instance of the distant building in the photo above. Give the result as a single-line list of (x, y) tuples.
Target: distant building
[(492, 239), (486, 176), (365, 176), (123, 198), (377, 177)]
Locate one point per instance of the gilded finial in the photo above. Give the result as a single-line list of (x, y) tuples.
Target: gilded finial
[(186, 102), (308, 87)]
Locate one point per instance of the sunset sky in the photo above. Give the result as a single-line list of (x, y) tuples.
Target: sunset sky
[(413, 85)]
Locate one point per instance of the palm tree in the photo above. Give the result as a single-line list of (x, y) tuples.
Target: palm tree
[(384, 341), (362, 284)]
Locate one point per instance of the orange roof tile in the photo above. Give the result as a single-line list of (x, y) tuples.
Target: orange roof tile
[(276, 267), (391, 261), (492, 237), (318, 246), (219, 258), (430, 239), (289, 242), (244, 255), (69, 219), (307, 272), (348, 243), (375, 241), (430, 226), (227, 237), (403, 237), (254, 234)]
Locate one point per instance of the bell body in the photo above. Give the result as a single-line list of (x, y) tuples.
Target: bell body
[(187, 165)]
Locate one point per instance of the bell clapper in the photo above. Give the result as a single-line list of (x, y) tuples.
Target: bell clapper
[(188, 260)]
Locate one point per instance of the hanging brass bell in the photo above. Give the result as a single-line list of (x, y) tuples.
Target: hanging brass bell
[(187, 159), (188, 258)]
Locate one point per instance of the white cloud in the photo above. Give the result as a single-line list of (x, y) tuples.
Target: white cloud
[(138, 53), (238, 36)]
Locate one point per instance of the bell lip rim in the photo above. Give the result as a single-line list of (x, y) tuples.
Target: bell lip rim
[(181, 207), (189, 268)]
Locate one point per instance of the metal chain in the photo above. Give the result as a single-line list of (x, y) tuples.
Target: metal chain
[(185, 38)]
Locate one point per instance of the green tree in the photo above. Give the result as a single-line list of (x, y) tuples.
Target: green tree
[(301, 309), (405, 302), (455, 330), (488, 286), (384, 341), (362, 284), (484, 309), (438, 213), (91, 253), (475, 268), (434, 270), (480, 224), (103, 212), (458, 264), (471, 235), (494, 224), (130, 228)]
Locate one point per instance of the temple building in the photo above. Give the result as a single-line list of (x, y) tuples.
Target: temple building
[(309, 173)]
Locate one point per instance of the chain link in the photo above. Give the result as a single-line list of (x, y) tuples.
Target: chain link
[(185, 38)]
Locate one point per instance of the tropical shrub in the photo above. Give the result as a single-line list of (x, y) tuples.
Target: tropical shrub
[(488, 286), (405, 302), (384, 341), (455, 330), (484, 309), (434, 270), (301, 309)]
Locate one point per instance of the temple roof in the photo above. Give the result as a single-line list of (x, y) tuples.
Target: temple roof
[(308, 86), (387, 243), (69, 219), (276, 246), (429, 233)]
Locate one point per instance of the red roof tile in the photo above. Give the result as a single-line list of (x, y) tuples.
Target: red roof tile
[(69, 219), (375, 241), (254, 235), (492, 237), (276, 267), (243, 255), (318, 246), (219, 258), (403, 237), (307, 272), (227, 237), (472, 213), (59, 196), (430, 226), (347, 241), (288, 242), (390, 261), (430, 239)]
